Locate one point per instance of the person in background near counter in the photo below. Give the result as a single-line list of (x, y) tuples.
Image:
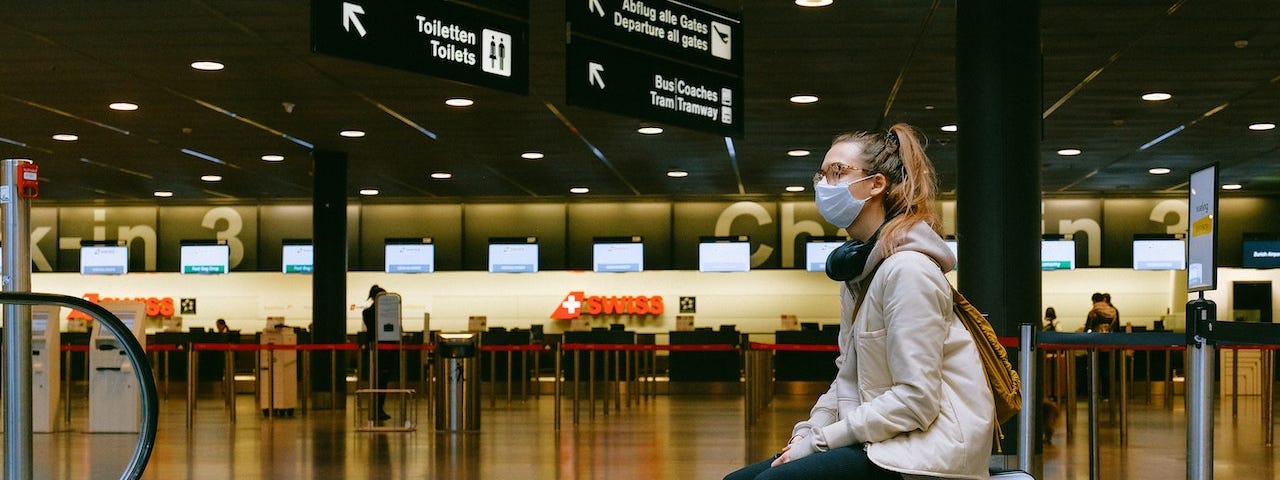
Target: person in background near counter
[(1050, 322), (221, 326), (369, 315), (907, 400), (1102, 317), (1106, 297)]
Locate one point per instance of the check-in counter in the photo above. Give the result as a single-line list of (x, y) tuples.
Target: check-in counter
[(596, 335), (709, 366), (493, 365), (793, 366)]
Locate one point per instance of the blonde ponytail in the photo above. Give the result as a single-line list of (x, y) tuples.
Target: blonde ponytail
[(911, 194)]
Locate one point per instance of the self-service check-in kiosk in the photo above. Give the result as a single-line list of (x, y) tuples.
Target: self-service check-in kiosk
[(277, 370), (113, 388), (46, 366), (387, 318)]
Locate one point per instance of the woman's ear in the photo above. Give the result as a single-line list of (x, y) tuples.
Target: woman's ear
[(879, 184)]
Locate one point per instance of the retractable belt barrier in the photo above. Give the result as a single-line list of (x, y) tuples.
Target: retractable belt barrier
[(229, 369), (524, 350)]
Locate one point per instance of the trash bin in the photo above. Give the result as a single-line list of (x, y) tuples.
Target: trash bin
[(458, 371)]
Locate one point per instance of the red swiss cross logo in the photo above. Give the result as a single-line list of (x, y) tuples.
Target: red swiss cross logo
[(569, 308)]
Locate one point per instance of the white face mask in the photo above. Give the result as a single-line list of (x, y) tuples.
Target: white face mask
[(836, 202)]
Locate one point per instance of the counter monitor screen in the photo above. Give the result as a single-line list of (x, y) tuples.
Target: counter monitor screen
[(618, 255), (816, 251), (1260, 252), (1159, 254), (724, 255), (297, 257), (104, 260), (416, 256), (206, 259), (519, 256), (1057, 255)]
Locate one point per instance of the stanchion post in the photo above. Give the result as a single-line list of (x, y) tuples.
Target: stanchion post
[(229, 379), (1094, 467), (1200, 314), (556, 384), (191, 386), (1026, 418)]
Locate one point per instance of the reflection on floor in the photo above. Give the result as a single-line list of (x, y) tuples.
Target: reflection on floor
[(673, 437)]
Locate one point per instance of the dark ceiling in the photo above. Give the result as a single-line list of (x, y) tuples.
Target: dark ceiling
[(63, 62)]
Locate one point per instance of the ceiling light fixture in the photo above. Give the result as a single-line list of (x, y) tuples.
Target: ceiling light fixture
[(531, 155), (65, 137), (1069, 152), (950, 127), (814, 3), (649, 130), (1156, 96), (207, 65), (677, 173), (804, 99), (795, 188), (368, 192), (273, 158), (352, 133), (1258, 127), (579, 190), (1232, 186), (441, 175), (798, 153), (459, 102), (1159, 171), (163, 194), (123, 106), (211, 178)]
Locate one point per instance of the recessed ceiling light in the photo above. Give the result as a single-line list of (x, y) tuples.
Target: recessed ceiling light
[(207, 65), (579, 190), (531, 155), (441, 175), (814, 3), (1159, 171), (1232, 186), (1069, 152), (459, 102), (1156, 96), (677, 173), (66, 137), (1258, 127), (649, 130), (368, 192), (798, 153), (352, 133), (795, 188), (950, 127), (802, 99), (123, 106), (211, 178), (273, 158), (929, 107), (163, 194)]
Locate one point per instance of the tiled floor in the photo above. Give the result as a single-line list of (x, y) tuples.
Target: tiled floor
[(677, 437)]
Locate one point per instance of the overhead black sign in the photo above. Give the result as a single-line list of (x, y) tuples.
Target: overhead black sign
[(443, 39), (669, 61), (629, 83)]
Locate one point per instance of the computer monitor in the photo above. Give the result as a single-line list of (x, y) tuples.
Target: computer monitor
[(724, 254), (103, 258), (816, 251), (1057, 255), (205, 257), (297, 256), (513, 255), (617, 254), (1260, 250), (409, 255), (1150, 253)]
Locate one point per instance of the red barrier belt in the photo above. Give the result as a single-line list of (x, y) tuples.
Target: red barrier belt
[(414, 346), (631, 347), (1069, 346), (73, 347), (253, 347), (1009, 342), (164, 347), (792, 347), (511, 348)]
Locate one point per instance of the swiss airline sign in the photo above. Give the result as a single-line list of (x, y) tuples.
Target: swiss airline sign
[(577, 304)]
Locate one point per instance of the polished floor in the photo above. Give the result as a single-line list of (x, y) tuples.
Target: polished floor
[(666, 437)]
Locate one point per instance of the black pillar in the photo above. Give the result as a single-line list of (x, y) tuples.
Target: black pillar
[(998, 88), (329, 276)]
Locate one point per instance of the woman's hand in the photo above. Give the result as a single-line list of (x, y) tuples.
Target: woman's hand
[(782, 456)]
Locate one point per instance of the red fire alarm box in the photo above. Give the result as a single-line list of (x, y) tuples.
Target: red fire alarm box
[(28, 180)]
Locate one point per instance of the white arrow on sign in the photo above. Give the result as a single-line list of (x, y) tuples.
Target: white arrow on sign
[(349, 11), (593, 74), (594, 5)]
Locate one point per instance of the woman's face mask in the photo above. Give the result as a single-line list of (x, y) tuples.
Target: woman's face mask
[(836, 202)]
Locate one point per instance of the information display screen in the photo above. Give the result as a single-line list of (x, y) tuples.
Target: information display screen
[(205, 259), (104, 260), (618, 255), (405, 257), (507, 256), (1057, 255), (722, 255), (1159, 254), (297, 257), (1260, 252), (816, 252)]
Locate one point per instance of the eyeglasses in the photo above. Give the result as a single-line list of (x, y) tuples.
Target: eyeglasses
[(835, 172)]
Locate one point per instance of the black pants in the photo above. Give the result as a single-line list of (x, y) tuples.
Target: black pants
[(849, 463)]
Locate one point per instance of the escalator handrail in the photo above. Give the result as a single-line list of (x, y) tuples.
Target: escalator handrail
[(137, 356)]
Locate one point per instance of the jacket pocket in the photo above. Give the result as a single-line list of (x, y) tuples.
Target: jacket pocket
[(873, 362)]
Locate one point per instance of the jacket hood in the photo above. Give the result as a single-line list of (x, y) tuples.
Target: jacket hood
[(919, 238)]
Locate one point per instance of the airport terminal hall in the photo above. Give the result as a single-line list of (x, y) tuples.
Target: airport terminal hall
[(639, 239)]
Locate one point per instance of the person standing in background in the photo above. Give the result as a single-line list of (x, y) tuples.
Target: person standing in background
[(1102, 317), (1050, 322)]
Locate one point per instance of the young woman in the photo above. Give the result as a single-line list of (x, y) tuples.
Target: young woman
[(910, 399)]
